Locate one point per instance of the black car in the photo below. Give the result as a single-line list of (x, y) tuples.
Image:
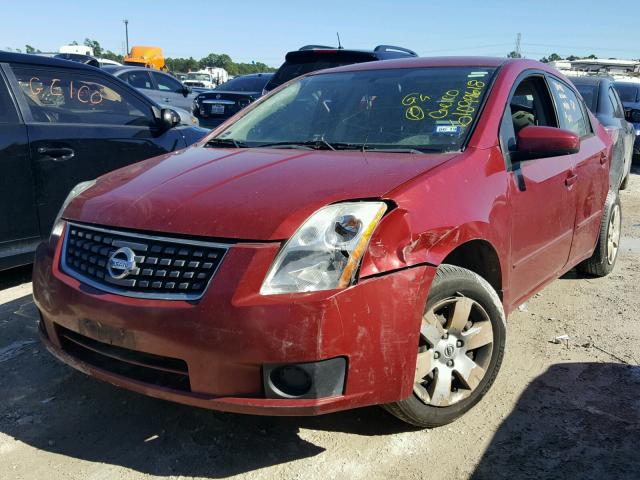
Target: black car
[(62, 123), (603, 100), (318, 57), (215, 106), (630, 95)]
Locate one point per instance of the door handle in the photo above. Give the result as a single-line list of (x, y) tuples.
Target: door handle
[(571, 180), (57, 154), (603, 158), (166, 100)]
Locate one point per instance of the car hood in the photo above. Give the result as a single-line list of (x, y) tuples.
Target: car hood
[(249, 194)]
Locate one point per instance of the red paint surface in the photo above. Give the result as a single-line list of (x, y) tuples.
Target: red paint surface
[(261, 197)]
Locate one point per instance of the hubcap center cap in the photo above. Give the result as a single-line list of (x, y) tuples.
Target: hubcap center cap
[(449, 351)]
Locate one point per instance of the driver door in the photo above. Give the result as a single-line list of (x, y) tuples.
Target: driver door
[(541, 191)]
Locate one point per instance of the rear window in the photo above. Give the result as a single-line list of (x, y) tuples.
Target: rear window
[(245, 84), (628, 93), (590, 95), (303, 62)]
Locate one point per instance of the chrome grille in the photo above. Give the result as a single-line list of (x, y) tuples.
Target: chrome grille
[(161, 267)]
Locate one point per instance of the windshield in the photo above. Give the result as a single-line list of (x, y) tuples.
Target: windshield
[(245, 84), (589, 94), (425, 109), (628, 93), (198, 76)]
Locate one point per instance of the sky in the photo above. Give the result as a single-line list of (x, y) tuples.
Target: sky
[(263, 31)]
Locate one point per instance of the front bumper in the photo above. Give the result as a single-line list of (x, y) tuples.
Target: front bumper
[(232, 334)]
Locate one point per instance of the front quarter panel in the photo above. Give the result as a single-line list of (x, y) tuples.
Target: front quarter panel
[(462, 200)]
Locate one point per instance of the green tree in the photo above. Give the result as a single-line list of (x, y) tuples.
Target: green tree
[(514, 54), (95, 46), (30, 49)]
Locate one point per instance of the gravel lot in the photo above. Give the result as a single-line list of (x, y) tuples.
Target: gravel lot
[(569, 410)]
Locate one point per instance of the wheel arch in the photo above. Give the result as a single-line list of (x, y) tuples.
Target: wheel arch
[(481, 257)]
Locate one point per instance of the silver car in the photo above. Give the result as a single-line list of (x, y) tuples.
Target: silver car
[(159, 86)]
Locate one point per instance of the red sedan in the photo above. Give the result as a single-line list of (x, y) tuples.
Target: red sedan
[(356, 237)]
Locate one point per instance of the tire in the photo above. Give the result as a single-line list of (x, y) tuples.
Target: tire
[(625, 183), (604, 257), (444, 351)]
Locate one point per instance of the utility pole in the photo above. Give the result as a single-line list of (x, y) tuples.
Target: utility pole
[(518, 39), (126, 34)]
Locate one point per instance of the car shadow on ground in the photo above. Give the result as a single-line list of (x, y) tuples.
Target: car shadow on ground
[(15, 276), (54, 408), (575, 421)]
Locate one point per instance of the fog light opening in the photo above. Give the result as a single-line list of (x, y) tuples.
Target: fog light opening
[(290, 381)]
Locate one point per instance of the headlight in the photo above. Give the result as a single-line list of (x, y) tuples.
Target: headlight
[(75, 191), (325, 252)]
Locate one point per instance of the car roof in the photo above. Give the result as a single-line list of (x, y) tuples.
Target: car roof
[(113, 69), (249, 75), (27, 58), (589, 80), (422, 62), (627, 83)]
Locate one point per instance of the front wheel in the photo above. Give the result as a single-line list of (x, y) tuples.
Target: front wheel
[(462, 342)]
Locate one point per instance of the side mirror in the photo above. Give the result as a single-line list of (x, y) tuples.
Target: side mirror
[(169, 118), (538, 142), (186, 90), (632, 115)]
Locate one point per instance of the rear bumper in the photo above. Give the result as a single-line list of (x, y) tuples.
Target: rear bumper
[(232, 334)]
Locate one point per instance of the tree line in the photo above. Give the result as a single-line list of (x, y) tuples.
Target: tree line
[(181, 65), (554, 57)]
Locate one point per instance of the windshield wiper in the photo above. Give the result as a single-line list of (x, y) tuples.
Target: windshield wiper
[(391, 150), (320, 144), (225, 142)]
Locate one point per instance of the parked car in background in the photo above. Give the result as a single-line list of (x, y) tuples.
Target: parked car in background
[(311, 58), (630, 95), (62, 123), (603, 100), (215, 106), (355, 238), (160, 86), (206, 79)]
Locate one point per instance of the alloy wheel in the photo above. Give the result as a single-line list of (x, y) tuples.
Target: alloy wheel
[(456, 342), (613, 234)]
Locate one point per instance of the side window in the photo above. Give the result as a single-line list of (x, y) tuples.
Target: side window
[(618, 109), (531, 104), (8, 112), (166, 83), (76, 97), (138, 79), (570, 110)]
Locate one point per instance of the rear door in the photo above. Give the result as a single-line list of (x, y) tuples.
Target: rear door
[(172, 91), (542, 196), (141, 81), (19, 229), (82, 124), (592, 168)]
